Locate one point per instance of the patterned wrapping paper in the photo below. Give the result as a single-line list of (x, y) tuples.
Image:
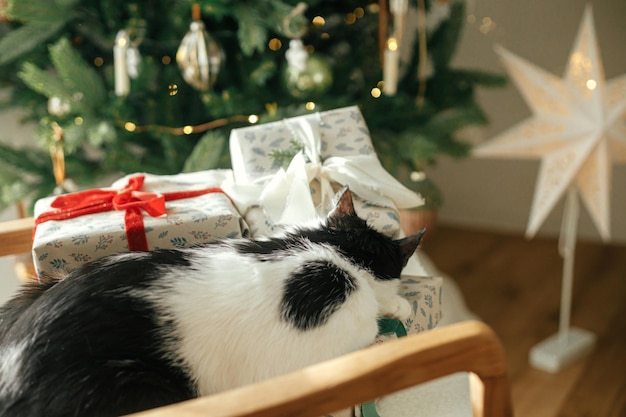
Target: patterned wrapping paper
[(342, 133), (424, 295), (61, 246)]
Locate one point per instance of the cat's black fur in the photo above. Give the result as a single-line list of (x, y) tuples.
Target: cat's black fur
[(93, 344)]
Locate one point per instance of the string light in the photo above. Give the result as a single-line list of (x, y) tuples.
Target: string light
[(78, 120), (166, 60), (417, 176), (173, 89), (350, 18), (376, 92), (98, 61), (309, 105), (188, 129), (318, 21), (591, 84), (392, 44), (275, 44)]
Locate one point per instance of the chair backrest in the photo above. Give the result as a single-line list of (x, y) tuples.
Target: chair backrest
[(16, 236)]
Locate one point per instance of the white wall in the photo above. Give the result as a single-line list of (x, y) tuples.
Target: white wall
[(497, 194)]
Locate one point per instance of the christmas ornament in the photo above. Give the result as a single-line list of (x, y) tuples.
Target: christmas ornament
[(305, 75), (199, 56), (120, 66), (576, 130), (133, 61), (58, 107), (391, 58)]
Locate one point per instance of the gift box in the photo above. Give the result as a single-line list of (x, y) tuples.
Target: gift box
[(331, 149), (139, 212), (424, 295)]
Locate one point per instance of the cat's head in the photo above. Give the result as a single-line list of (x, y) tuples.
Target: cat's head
[(384, 256)]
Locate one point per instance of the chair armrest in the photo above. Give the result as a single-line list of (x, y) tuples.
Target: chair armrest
[(16, 236), (368, 374)]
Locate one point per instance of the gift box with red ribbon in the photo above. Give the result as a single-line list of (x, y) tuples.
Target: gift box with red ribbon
[(140, 212)]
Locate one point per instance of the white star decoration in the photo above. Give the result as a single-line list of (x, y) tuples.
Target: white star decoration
[(578, 127)]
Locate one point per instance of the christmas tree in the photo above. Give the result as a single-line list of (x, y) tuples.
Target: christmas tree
[(156, 86)]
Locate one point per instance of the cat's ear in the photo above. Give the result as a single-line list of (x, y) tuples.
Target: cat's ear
[(343, 203), (409, 244)]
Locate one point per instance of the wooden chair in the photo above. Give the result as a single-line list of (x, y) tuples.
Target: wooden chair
[(373, 372)]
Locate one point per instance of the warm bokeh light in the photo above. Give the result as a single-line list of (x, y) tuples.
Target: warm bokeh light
[(318, 21), (392, 44), (275, 44)]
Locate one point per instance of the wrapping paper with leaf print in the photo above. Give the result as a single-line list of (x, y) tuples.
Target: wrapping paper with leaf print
[(61, 246), (332, 149), (424, 296)]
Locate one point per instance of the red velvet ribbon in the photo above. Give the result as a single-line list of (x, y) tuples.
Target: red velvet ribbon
[(129, 199)]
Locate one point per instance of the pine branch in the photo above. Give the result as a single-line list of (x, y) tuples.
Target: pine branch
[(447, 122), (27, 161), (206, 154), (282, 157), (447, 36), (77, 75), (25, 39), (483, 78), (251, 33), (43, 82), (40, 11)]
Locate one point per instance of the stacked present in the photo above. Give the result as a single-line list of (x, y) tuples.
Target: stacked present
[(139, 212), (335, 149), (257, 197)]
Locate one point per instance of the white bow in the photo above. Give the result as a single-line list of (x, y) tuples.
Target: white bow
[(287, 199)]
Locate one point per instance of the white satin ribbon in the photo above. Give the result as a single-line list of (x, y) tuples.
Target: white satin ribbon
[(286, 197)]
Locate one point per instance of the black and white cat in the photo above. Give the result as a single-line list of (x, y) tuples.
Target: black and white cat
[(139, 330)]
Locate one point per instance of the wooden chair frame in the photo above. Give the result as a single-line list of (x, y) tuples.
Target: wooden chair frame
[(370, 373)]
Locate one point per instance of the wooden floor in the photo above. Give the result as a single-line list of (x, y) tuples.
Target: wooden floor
[(514, 285)]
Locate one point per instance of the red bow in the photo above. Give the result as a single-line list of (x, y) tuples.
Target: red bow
[(129, 199)]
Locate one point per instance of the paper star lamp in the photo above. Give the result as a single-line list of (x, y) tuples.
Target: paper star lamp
[(577, 129)]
